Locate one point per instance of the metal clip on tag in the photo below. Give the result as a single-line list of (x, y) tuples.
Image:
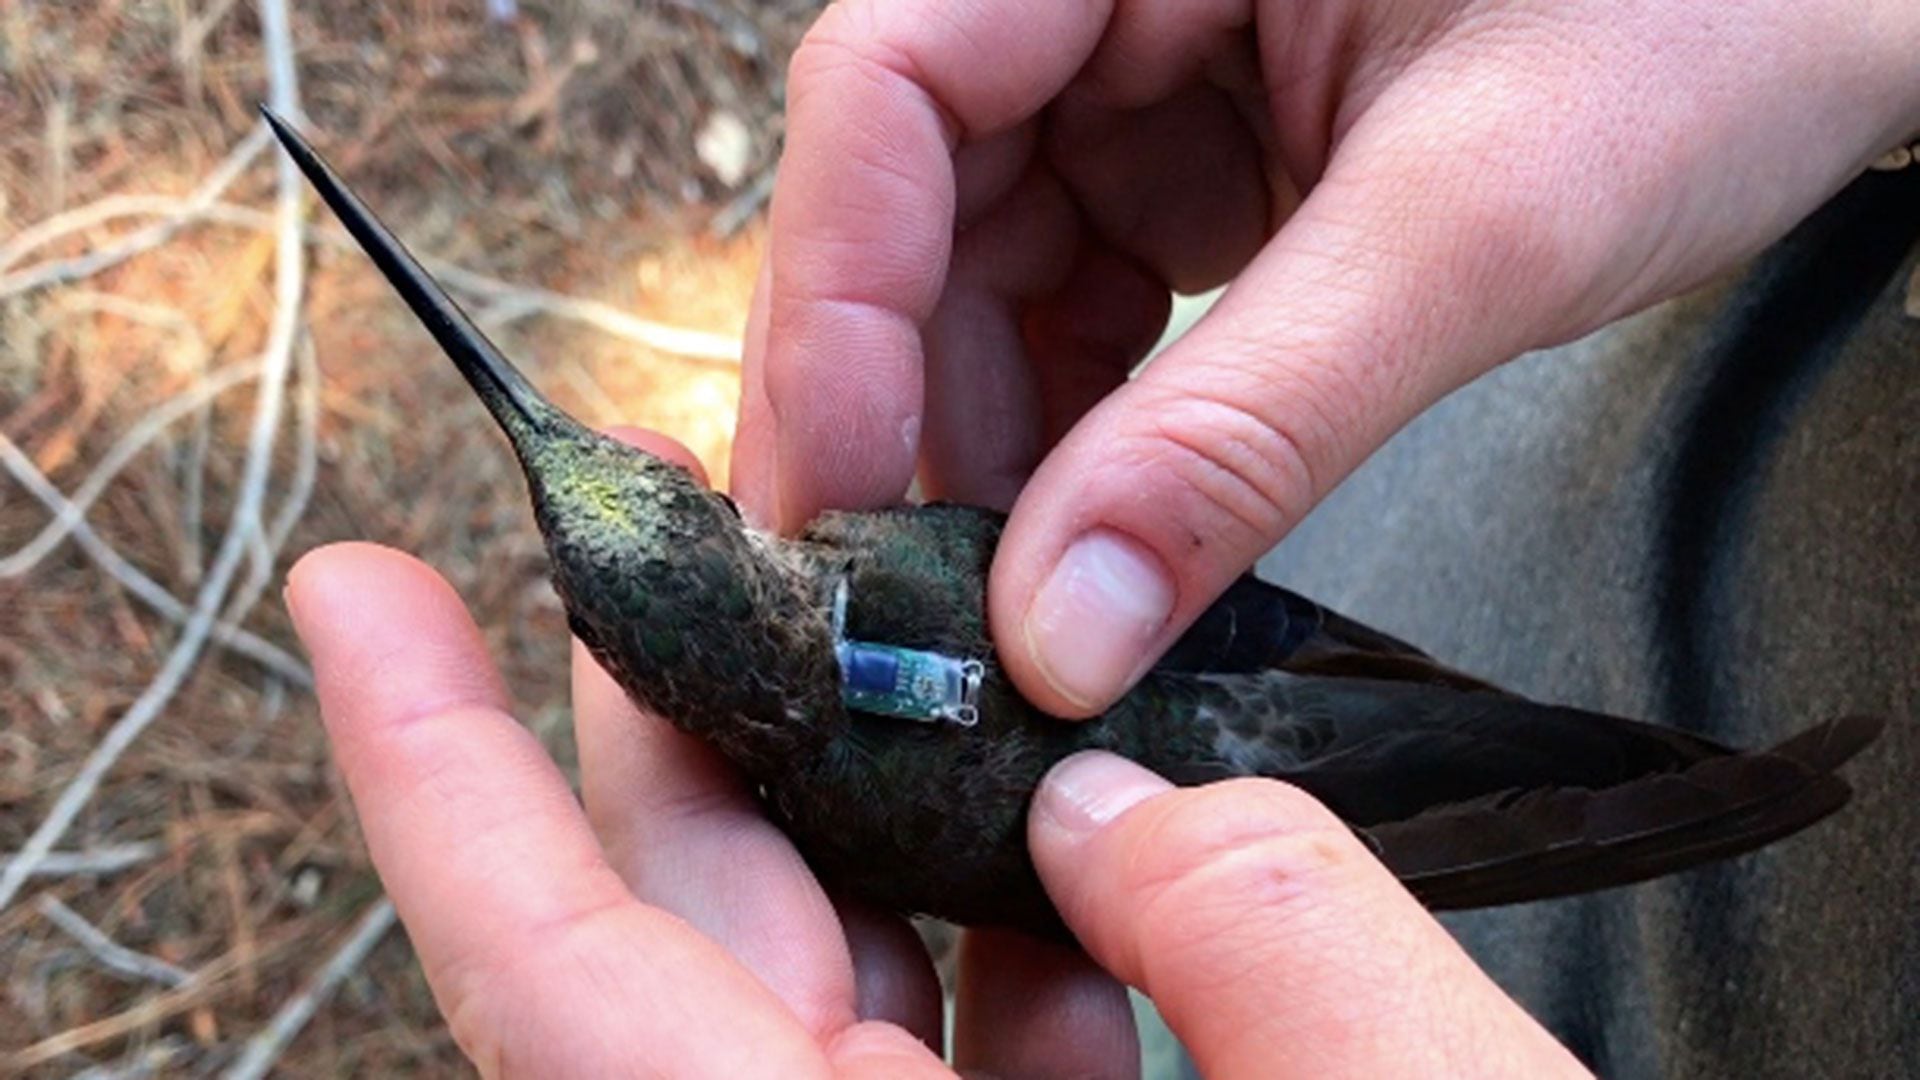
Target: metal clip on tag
[(912, 684)]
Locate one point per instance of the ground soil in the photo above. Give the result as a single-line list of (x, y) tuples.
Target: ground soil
[(553, 147)]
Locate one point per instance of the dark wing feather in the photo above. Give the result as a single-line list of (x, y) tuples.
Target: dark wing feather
[(1561, 841), (1478, 799), (1256, 625), (1375, 750)]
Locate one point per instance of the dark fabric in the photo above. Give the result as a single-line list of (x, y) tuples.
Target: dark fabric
[(1706, 516)]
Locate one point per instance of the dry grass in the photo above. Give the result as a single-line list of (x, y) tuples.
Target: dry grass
[(556, 151)]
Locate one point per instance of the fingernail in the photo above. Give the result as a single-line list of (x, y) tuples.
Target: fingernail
[(1089, 626), (1091, 788)]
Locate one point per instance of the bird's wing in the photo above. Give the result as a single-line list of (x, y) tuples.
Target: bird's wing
[(1476, 799), (1378, 750), (1559, 841), (1252, 627), (1256, 625)]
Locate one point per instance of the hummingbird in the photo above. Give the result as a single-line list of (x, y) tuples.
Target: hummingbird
[(847, 672)]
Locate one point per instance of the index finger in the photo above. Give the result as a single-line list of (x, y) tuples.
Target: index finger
[(880, 95), (453, 795)]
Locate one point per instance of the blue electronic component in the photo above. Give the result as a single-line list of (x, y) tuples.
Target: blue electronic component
[(909, 683), (869, 670)]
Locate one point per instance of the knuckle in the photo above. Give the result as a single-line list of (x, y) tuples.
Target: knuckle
[(849, 41), (1211, 872), (837, 36), (1255, 465), (432, 767), (481, 988), (1192, 831)]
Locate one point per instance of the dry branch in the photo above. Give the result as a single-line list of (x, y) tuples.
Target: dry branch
[(74, 507), (110, 859), (506, 303), (266, 1047), (502, 301), (61, 271), (111, 954), (245, 523), (205, 982), (148, 591)]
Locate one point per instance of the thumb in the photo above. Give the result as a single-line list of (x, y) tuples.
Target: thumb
[(1268, 937), (1369, 304)]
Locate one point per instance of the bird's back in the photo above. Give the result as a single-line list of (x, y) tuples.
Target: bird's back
[(1472, 795)]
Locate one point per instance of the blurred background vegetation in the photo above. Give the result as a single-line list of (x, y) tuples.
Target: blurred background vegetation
[(200, 379)]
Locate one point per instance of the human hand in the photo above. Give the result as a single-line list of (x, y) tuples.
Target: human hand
[(669, 928), (1272, 941), (982, 206)]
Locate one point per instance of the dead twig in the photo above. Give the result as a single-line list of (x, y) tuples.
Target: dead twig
[(187, 46), (507, 303), (245, 523), (110, 859), (739, 32), (504, 301), (266, 1047), (267, 542), (199, 357), (61, 271), (202, 984), (734, 216), (166, 1056), (306, 460), (113, 207), (112, 955), (95, 214), (23, 559), (131, 578)]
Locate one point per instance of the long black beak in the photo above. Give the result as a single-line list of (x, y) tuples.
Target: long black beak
[(515, 404)]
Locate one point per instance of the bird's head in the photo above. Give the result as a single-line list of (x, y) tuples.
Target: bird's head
[(692, 613)]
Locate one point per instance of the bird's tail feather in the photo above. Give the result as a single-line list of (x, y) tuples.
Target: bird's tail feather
[(1520, 846)]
